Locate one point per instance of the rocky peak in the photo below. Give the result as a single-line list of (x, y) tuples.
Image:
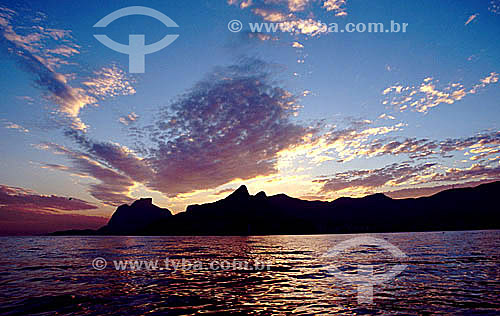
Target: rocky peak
[(240, 193), (142, 202), (261, 195), (140, 214)]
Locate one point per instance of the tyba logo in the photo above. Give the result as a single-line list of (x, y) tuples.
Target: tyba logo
[(136, 48)]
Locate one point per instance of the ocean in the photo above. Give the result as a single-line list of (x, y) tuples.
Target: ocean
[(350, 274)]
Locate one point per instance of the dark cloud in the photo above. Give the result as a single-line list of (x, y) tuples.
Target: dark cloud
[(24, 211), (28, 219), (473, 172), (113, 187), (20, 222), (114, 157), (231, 125), (14, 198), (413, 147), (397, 173), (484, 139)]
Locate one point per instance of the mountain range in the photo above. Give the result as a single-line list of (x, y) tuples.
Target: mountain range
[(243, 214)]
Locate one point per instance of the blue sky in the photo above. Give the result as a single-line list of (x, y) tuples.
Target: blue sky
[(312, 114)]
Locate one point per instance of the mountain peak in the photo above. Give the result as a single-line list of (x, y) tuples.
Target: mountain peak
[(140, 214), (378, 196), (241, 192), (261, 195), (142, 202)]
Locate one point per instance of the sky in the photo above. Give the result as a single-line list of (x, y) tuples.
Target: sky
[(310, 110)]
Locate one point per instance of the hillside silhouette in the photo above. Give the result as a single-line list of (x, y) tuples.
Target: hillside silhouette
[(243, 214)]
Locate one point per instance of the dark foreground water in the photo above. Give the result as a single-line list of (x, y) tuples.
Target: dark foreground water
[(447, 273)]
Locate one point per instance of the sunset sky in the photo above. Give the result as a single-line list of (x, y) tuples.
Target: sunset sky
[(306, 112)]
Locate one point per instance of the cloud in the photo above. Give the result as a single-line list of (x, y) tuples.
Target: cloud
[(49, 45), (114, 156), (357, 132), (362, 140), (128, 119), (24, 211), (309, 27), (348, 142), (386, 116), (112, 187), (337, 6), (430, 190), (109, 82), (11, 125), (297, 5), (480, 146), (270, 15), (407, 175), (471, 18), (231, 125), (27, 99), (491, 78), (31, 52), (23, 222), (494, 7), (42, 51), (224, 191), (342, 144), (260, 36), (245, 3), (476, 171), (367, 180), (59, 167), (428, 94), (415, 148), (15, 198), (289, 6), (293, 16)]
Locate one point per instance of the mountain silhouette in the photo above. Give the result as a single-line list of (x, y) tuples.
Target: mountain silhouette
[(243, 214), (138, 216)]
